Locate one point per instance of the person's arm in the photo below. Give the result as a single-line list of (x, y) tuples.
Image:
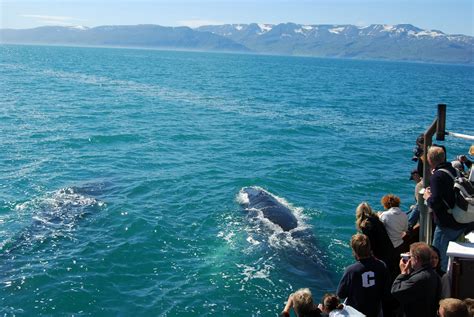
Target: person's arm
[(289, 304), (434, 194), (388, 284), (343, 287), (405, 223), (405, 288)]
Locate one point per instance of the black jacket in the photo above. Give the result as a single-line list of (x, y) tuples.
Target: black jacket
[(365, 284), (418, 292), (442, 196), (382, 247)]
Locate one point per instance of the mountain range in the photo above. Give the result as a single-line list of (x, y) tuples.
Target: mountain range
[(377, 41), (150, 36)]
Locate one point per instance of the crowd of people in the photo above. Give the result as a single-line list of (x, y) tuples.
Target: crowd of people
[(369, 290), (392, 275)]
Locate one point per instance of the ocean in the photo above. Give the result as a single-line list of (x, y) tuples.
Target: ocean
[(121, 171)]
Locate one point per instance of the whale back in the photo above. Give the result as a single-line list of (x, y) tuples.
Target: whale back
[(271, 208)]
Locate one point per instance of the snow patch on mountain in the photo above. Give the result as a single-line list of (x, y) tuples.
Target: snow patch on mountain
[(264, 28), (79, 27), (305, 29), (429, 33), (337, 30)]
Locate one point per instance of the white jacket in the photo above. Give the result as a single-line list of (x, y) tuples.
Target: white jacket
[(347, 311), (396, 223)]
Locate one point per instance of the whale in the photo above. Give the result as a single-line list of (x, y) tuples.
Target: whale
[(296, 242), (54, 214), (272, 209)]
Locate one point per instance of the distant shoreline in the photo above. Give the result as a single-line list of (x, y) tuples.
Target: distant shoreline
[(164, 49), (403, 42)]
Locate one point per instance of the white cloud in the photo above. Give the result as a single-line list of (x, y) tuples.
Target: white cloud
[(197, 23), (52, 20)]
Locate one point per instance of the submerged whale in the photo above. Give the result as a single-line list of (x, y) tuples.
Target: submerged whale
[(272, 209), (54, 214)]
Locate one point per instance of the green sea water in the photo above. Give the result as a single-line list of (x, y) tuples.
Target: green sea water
[(120, 171)]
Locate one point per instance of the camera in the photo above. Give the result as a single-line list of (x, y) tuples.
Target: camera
[(405, 257), (417, 153), (418, 150)]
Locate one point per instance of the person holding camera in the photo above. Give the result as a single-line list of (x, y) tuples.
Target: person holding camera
[(418, 287), (418, 153)]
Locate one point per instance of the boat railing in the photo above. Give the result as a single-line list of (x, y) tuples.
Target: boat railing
[(438, 127)]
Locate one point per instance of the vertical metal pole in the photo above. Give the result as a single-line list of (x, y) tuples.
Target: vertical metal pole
[(438, 126), (425, 216), (441, 123)]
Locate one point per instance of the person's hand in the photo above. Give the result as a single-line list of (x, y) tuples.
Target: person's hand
[(405, 267), (427, 193)]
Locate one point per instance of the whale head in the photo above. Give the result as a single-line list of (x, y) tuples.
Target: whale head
[(252, 192), (248, 195)]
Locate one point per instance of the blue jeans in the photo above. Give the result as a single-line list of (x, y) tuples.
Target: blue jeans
[(413, 216), (441, 238)]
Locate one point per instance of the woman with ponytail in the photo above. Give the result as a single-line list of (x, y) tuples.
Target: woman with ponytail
[(332, 307)]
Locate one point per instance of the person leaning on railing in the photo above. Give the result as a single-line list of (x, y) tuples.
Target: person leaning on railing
[(331, 306), (395, 221), (302, 303), (440, 197), (368, 223)]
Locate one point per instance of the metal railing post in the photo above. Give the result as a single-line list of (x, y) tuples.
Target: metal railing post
[(441, 123), (438, 126)]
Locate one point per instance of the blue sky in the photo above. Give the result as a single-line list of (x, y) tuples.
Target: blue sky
[(449, 16)]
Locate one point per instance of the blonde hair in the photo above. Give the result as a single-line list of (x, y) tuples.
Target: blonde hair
[(389, 201), (302, 301), (469, 301), (453, 307), (360, 244), (436, 155), (363, 212)]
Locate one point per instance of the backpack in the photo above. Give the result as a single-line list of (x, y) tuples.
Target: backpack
[(463, 210)]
